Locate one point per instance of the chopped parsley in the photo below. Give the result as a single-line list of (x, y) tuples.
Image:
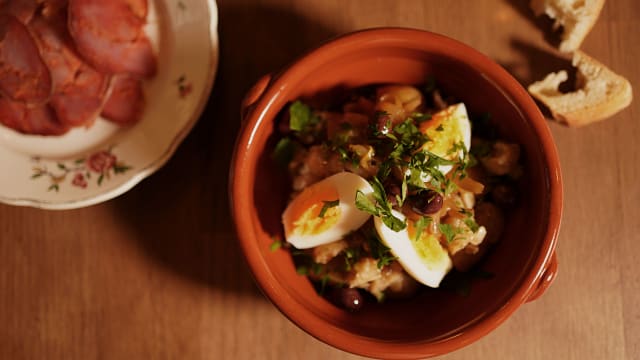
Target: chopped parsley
[(347, 155), (344, 154), (328, 205), (420, 117), (450, 187), (397, 148), (449, 232), (379, 250), (427, 163), (283, 152), (380, 207), (472, 224), (351, 256), (317, 269), (276, 244), (408, 136), (301, 116), (323, 284), (403, 192), (422, 224)]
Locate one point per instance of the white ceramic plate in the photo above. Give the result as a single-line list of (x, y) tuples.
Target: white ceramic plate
[(88, 166)]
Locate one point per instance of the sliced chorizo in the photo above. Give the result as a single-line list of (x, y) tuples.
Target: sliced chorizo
[(139, 7), (79, 90), (23, 10), (126, 102), (24, 75), (110, 36), (36, 120)]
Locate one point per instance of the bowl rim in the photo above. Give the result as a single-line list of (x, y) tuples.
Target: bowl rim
[(318, 327)]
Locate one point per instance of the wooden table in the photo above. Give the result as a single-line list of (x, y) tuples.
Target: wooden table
[(157, 273)]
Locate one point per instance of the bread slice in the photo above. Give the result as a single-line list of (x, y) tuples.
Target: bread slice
[(599, 93), (576, 17)]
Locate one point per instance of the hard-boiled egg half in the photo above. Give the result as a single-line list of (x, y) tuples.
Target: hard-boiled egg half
[(445, 129), (421, 255), (325, 211)]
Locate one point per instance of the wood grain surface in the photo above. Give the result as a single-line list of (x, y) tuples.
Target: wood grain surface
[(157, 273)]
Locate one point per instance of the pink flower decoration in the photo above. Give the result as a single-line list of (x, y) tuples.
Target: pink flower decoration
[(101, 161), (79, 181)]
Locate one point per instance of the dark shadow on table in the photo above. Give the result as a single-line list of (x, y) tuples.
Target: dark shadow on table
[(533, 64), (542, 22), (181, 214)]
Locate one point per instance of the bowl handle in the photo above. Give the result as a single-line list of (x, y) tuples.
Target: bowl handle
[(547, 278), (253, 95)]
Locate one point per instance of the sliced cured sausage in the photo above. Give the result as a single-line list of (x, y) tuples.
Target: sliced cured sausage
[(23, 10), (139, 7), (126, 102), (24, 76), (79, 91), (37, 120), (110, 36), (52, 8)]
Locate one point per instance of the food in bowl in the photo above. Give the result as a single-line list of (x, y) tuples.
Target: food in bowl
[(60, 69), (431, 322), (393, 188)]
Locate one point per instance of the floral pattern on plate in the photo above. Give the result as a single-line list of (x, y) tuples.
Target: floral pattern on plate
[(100, 166)]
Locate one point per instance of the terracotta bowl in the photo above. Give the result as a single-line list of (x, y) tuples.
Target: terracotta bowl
[(435, 322)]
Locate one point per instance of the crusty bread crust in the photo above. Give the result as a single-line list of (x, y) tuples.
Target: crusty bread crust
[(577, 18), (599, 94)]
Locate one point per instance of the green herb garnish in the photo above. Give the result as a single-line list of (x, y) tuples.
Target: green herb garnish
[(403, 192), (380, 207), (351, 256), (379, 251), (472, 224), (426, 163), (300, 116), (422, 224), (449, 232), (415, 178), (316, 269), (420, 117), (323, 284), (283, 152), (276, 244), (449, 187), (326, 205)]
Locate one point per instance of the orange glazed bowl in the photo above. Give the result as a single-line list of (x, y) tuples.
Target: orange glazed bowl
[(433, 322)]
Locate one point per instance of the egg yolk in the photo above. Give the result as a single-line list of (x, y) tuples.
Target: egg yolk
[(307, 216), (427, 247), (443, 131)]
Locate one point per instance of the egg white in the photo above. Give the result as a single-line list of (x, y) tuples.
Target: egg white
[(457, 114), (350, 219), (429, 271)]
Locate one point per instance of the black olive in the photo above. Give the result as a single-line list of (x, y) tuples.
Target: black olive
[(347, 298), (427, 203), (504, 195)]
